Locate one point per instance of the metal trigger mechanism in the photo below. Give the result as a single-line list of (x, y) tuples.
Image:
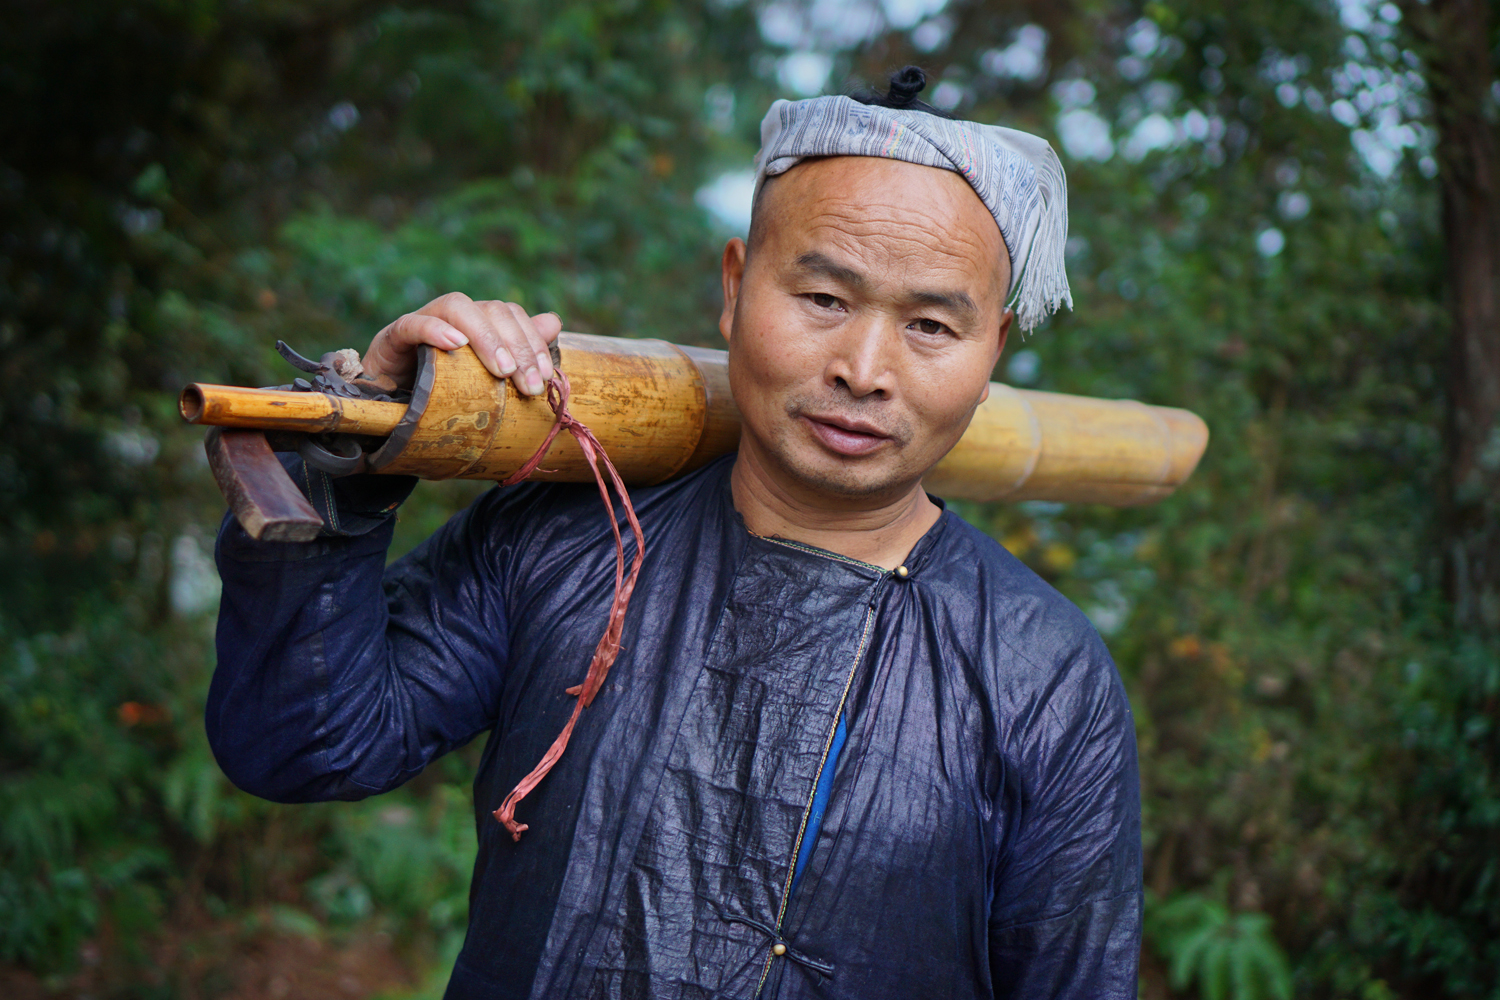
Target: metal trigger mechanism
[(335, 454)]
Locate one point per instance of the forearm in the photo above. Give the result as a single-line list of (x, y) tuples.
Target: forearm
[(320, 692), (275, 716)]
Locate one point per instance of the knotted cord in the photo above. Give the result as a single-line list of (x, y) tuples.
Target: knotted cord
[(609, 644)]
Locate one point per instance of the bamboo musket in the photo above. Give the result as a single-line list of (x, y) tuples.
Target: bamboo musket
[(661, 410)]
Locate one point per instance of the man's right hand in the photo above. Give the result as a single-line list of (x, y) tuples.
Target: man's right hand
[(510, 343)]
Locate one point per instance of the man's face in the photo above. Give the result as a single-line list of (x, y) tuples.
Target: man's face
[(864, 323)]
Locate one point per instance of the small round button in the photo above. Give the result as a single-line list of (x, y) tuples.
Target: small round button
[(778, 949), (902, 572)]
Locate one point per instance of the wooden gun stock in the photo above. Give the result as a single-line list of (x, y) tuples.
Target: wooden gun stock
[(264, 499), (660, 411)]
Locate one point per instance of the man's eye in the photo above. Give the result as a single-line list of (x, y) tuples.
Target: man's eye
[(929, 326), (823, 300)]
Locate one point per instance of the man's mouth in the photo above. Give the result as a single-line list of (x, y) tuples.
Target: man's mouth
[(851, 438)]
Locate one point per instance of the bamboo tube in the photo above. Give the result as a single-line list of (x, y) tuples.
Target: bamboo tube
[(662, 410), (648, 402), (1029, 445), (275, 410)]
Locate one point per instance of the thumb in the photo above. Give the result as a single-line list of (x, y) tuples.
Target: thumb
[(548, 324)]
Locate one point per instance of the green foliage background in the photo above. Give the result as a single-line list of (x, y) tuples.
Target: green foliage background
[(183, 182)]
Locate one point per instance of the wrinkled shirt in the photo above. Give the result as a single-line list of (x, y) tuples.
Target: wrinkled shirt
[(982, 829)]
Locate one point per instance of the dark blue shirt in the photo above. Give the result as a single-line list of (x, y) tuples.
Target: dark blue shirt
[(980, 836)]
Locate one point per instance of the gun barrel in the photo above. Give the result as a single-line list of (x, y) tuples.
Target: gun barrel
[(661, 410), (279, 410)]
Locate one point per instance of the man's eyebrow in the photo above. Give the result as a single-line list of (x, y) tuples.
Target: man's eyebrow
[(955, 301), (958, 302), (818, 263)]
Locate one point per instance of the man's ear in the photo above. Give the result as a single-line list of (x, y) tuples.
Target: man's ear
[(732, 274), (1005, 320)]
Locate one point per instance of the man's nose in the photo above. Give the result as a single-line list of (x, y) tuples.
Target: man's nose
[(862, 358)]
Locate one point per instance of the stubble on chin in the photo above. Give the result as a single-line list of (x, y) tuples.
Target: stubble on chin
[(847, 482)]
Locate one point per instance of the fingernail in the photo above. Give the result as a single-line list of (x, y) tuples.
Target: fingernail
[(459, 340), (506, 363), (533, 382), (544, 362)]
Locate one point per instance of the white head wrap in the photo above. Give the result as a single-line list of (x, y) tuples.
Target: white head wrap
[(1017, 176)]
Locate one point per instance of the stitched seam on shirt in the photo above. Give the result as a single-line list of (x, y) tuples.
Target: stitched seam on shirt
[(333, 507), (825, 554), (1069, 913), (786, 893)]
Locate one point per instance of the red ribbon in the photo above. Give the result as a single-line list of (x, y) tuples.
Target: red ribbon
[(609, 644)]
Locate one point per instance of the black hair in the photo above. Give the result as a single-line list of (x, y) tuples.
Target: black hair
[(905, 84)]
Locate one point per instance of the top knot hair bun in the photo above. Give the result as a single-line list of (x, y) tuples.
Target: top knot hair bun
[(905, 84)]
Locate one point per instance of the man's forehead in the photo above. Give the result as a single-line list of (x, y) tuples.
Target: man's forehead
[(880, 208)]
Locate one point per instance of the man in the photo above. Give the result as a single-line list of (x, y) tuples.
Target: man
[(851, 747)]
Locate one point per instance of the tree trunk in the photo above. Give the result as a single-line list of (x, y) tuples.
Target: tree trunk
[(1460, 74)]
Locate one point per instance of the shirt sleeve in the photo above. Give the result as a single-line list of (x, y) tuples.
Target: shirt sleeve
[(337, 677), (1066, 914)]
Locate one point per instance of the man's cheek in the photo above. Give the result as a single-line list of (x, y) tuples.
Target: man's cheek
[(781, 368), (938, 424)]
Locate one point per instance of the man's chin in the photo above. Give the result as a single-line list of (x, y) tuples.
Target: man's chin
[(851, 480)]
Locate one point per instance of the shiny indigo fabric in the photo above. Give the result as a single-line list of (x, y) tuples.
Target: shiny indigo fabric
[(982, 837)]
